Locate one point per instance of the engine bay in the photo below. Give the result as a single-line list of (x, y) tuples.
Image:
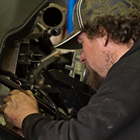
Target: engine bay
[(28, 60)]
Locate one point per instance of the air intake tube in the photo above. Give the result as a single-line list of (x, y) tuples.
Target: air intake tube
[(53, 16)]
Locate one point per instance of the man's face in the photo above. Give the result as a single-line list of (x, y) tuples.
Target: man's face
[(95, 54)]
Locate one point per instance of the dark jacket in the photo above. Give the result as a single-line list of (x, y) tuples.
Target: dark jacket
[(113, 113)]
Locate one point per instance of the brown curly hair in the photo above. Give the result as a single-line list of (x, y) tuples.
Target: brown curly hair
[(120, 28)]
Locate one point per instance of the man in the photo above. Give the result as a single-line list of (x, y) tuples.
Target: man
[(110, 47)]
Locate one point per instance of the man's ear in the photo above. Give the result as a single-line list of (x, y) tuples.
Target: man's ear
[(104, 36), (105, 39)]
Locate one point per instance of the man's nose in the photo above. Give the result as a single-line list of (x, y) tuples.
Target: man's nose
[(82, 57)]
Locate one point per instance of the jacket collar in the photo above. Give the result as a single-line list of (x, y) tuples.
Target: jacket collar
[(133, 49)]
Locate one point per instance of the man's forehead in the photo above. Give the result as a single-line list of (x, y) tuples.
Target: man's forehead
[(80, 36), (79, 39)]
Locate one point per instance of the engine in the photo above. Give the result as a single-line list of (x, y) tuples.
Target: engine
[(28, 60)]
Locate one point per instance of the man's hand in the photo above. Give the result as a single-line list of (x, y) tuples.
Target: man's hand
[(18, 105)]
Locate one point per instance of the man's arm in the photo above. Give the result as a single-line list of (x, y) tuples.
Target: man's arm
[(112, 113)]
